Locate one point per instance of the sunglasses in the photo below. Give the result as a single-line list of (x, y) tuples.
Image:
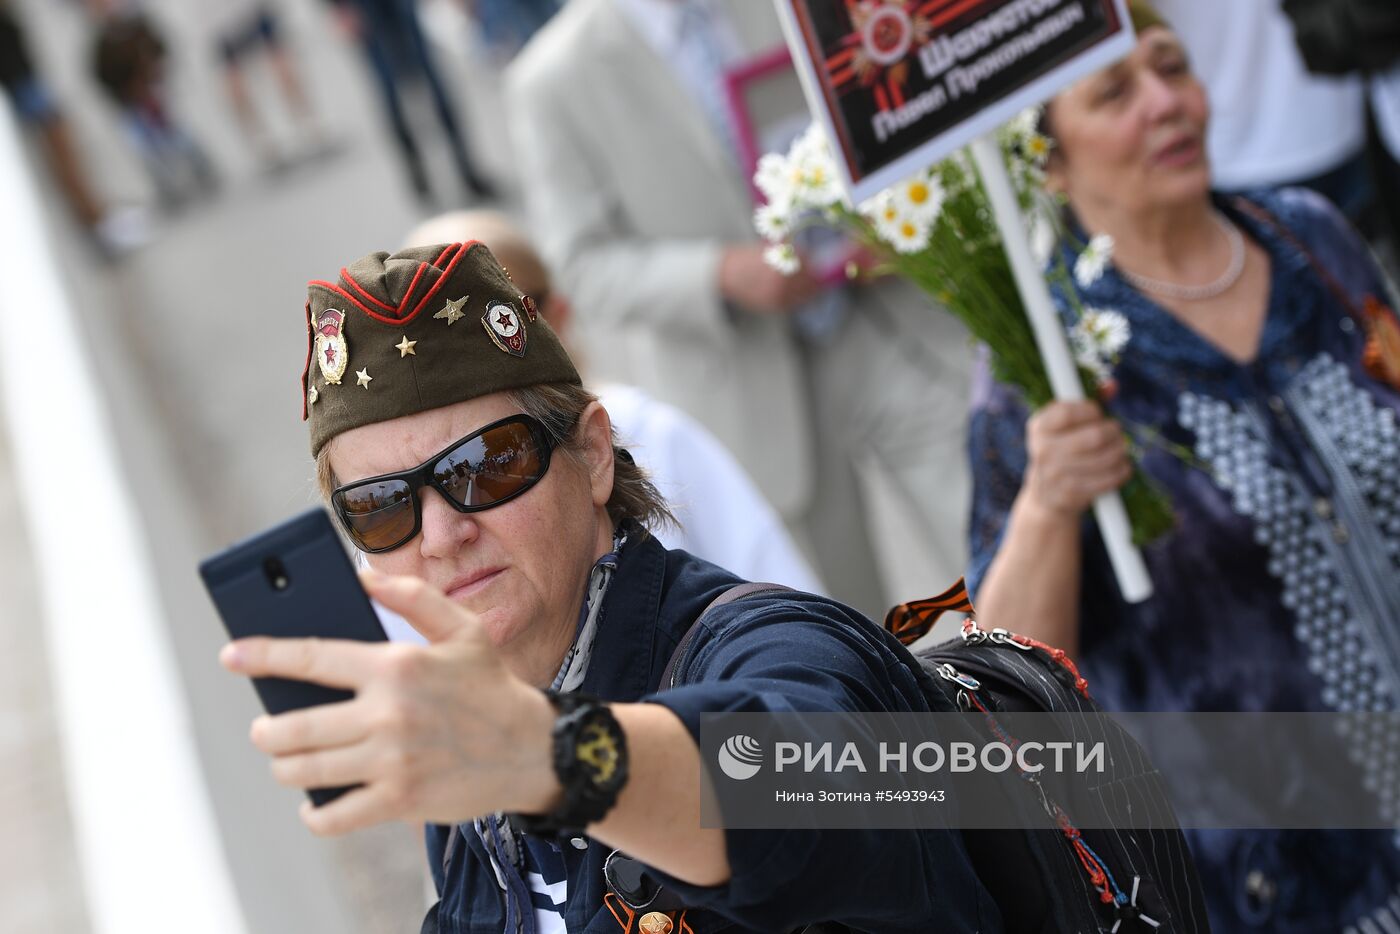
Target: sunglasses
[(488, 467)]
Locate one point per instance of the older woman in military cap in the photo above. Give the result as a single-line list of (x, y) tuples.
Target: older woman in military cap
[(498, 516)]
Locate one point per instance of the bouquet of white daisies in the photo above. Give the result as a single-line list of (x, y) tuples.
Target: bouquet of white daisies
[(937, 230)]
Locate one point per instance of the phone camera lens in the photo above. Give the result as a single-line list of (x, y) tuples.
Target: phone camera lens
[(276, 574)]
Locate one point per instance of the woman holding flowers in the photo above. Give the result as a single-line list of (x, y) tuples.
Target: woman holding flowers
[(1260, 385)]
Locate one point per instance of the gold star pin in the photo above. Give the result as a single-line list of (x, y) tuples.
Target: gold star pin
[(405, 347), (312, 395), (452, 311), (362, 377)]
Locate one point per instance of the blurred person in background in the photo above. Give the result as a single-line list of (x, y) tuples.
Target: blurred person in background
[(1261, 348), (115, 231), (720, 515), (1273, 124), (242, 31), (392, 40), (506, 25), (639, 203), (1362, 37), (129, 57)]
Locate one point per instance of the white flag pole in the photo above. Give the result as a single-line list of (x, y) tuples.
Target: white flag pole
[(1125, 557)]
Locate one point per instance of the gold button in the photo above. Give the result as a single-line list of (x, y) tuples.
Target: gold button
[(654, 922), (1323, 507), (1340, 534)]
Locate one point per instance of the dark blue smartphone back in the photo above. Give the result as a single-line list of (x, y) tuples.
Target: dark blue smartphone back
[(292, 581)]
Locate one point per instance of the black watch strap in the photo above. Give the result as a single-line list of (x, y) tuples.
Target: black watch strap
[(590, 761)]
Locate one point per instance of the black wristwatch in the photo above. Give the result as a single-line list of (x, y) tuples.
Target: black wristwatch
[(590, 761)]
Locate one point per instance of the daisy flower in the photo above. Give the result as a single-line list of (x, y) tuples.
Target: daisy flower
[(1109, 330), (810, 145), (1037, 147), (782, 257), (1025, 131), (908, 235), (1024, 124), (884, 213), (774, 178), (920, 197), (1097, 338), (772, 223), (1092, 262), (813, 169), (819, 186)]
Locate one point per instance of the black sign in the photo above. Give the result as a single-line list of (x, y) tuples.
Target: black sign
[(898, 78)]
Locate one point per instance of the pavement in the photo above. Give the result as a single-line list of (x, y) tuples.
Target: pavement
[(37, 863)]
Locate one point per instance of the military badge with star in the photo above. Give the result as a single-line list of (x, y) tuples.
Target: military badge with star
[(332, 352), (505, 328)]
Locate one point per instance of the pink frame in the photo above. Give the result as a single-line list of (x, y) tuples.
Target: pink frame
[(746, 133)]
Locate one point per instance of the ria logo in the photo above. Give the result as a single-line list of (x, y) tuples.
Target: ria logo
[(740, 757)]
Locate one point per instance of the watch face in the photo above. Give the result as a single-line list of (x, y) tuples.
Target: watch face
[(599, 750)]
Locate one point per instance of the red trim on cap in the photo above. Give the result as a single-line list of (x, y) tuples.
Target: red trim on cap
[(399, 317), (332, 287), (346, 277), (306, 370), (462, 249), (413, 286)]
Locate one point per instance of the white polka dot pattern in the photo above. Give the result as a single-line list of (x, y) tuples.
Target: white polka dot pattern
[(1305, 542)]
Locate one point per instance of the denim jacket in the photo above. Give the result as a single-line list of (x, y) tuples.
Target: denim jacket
[(782, 651)]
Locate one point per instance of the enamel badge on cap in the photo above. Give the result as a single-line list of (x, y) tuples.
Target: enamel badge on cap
[(332, 353), (505, 328)]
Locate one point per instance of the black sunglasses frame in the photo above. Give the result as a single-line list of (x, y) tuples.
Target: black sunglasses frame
[(422, 476)]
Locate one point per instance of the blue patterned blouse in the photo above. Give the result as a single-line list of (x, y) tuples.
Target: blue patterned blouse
[(1280, 587)]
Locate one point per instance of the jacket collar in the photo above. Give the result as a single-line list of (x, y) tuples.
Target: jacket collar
[(624, 665)]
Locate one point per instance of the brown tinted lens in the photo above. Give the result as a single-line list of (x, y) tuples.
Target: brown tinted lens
[(377, 515), (491, 467)]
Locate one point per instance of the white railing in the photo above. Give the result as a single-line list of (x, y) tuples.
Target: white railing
[(146, 836)]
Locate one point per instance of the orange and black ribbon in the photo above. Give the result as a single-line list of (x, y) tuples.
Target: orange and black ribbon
[(628, 918), (911, 621)]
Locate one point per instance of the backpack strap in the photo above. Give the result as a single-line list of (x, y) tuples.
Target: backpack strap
[(737, 592)]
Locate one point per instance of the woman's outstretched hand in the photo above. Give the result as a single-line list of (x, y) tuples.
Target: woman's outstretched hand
[(440, 733)]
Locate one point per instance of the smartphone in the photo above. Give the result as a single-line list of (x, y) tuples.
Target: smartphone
[(293, 581)]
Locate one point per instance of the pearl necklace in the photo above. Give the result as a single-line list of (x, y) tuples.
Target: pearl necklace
[(1199, 293)]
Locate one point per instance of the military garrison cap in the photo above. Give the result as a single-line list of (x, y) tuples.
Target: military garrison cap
[(1144, 15), (416, 330)]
